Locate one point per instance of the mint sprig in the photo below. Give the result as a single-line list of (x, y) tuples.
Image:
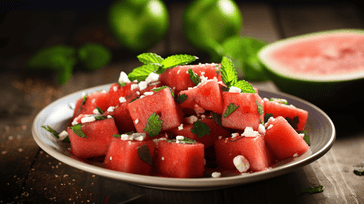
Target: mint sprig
[(230, 109), (200, 128), (194, 77), (49, 129), (78, 131), (260, 108), (163, 87), (181, 98), (150, 58), (154, 125), (142, 72)]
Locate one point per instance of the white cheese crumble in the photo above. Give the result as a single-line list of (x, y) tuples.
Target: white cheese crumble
[(134, 136), (191, 119), (233, 135), (122, 99), (180, 127), (138, 92), (152, 77), (111, 109), (93, 100), (143, 85), (133, 86), (115, 88), (216, 175), (179, 138), (148, 93), (162, 158), (109, 116), (261, 129), (87, 119), (270, 126), (249, 132), (136, 121), (241, 163), (234, 89), (123, 78), (96, 111), (74, 122), (63, 135), (110, 158), (295, 155)]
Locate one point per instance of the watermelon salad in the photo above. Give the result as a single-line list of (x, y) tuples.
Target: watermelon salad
[(170, 119)]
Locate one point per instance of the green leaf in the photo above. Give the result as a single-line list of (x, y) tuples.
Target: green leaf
[(121, 84), (217, 118), (94, 56), (260, 108), (359, 169), (245, 86), (306, 138), (200, 128), (313, 190), (150, 58), (78, 131), (101, 117), (49, 129), (293, 121), (228, 72), (185, 140), (279, 100), (99, 109), (163, 87), (154, 125), (194, 77), (181, 98), (176, 60), (230, 109), (144, 154), (267, 116), (142, 72), (83, 103)]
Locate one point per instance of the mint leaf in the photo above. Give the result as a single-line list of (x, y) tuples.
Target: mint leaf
[(293, 121), (279, 100), (260, 108), (100, 117), (163, 87), (200, 128), (154, 125), (150, 58), (313, 190), (194, 77), (306, 138), (78, 131), (121, 84), (230, 109), (216, 118), (82, 103), (99, 109), (176, 60), (144, 154), (228, 72), (245, 86), (181, 98), (185, 140), (267, 116), (142, 72), (49, 129)]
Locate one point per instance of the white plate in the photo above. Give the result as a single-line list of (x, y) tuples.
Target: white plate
[(57, 114)]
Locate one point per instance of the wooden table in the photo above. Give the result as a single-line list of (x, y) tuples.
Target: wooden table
[(29, 175)]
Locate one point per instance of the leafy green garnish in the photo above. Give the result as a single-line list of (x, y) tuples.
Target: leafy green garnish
[(194, 77), (260, 108), (144, 154), (163, 87), (279, 100), (306, 138), (181, 98), (313, 190), (150, 58), (101, 117), (217, 118), (267, 116), (293, 121), (82, 103), (185, 140), (176, 60), (142, 72), (78, 131), (154, 125), (121, 84), (200, 128), (49, 129), (230, 109), (359, 169), (99, 109), (245, 86)]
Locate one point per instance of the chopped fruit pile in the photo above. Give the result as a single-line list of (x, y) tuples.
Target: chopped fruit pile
[(170, 119)]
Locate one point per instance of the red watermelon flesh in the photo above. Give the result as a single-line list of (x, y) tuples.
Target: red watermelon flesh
[(208, 140), (98, 138), (179, 160), (161, 103), (88, 103), (295, 116), (129, 91), (253, 149), (247, 113), (207, 95), (130, 156), (282, 140), (178, 78), (122, 118)]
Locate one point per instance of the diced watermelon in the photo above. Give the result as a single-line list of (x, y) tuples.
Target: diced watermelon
[(178, 78), (282, 140), (207, 95), (128, 91), (98, 138), (253, 149), (179, 160), (88, 103), (247, 114), (161, 103), (295, 116), (121, 114), (130, 156), (208, 140)]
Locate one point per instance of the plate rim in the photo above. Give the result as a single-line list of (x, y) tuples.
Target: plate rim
[(182, 184)]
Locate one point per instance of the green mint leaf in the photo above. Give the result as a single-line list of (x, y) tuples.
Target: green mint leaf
[(194, 77), (293, 121), (230, 109), (245, 86), (119, 135), (142, 72), (163, 87), (144, 154), (306, 138), (99, 109), (279, 100), (82, 103), (217, 118), (313, 190), (176, 60), (359, 169), (100, 117), (185, 140), (228, 72), (154, 125), (49, 129), (181, 98), (94, 56), (121, 84), (78, 131), (200, 128), (260, 108), (150, 58), (267, 116)]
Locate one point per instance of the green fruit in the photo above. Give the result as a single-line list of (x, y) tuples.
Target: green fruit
[(207, 23), (138, 25), (93, 56)]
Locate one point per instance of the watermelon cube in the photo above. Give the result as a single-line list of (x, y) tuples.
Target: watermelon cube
[(158, 105), (207, 95), (253, 149), (122, 118), (88, 103), (179, 160), (215, 131), (295, 116), (91, 139), (131, 156), (242, 110), (282, 140)]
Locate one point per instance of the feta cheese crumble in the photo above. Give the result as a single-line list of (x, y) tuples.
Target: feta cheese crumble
[(87, 119), (249, 132), (133, 86), (191, 119), (180, 127), (152, 77), (261, 129), (111, 109), (179, 138), (136, 121), (241, 163), (234, 89), (122, 99), (235, 134), (115, 88), (123, 78), (143, 85), (63, 135), (134, 136), (216, 175)]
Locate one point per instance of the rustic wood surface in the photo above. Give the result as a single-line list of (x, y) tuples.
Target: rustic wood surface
[(29, 175)]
